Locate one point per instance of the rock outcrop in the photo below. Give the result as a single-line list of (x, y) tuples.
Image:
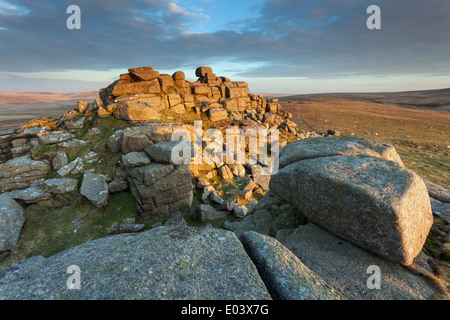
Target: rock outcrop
[(11, 222), (166, 263), (374, 203)]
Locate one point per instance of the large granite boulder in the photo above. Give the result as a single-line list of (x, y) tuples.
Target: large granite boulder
[(165, 263), (18, 173), (374, 203), (335, 146), (11, 221)]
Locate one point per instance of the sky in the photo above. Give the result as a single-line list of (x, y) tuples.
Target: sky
[(277, 46)]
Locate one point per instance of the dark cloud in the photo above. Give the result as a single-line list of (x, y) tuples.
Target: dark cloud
[(286, 38)]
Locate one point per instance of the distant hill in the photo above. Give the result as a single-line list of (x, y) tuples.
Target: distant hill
[(36, 97), (16, 108), (438, 100)]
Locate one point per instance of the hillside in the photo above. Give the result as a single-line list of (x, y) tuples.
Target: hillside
[(17, 108), (421, 135)]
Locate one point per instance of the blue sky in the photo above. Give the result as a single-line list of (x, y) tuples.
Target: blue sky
[(278, 46)]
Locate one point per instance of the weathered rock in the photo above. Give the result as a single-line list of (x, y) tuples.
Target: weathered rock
[(60, 186), (30, 195), (138, 138), (167, 263), (441, 209), (133, 111), (11, 222), (175, 220), (285, 276), (225, 172), (334, 146), (60, 160), (135, 159), (346, 267), (217, 114), (114, 142), (261, 177), (75, 123), (52, 137), (143, 87), (19, 172), (118, 184), (95, 189), (373, 203), (74, 167), (72, 144), (162, 152), (240, 210), (437, 192), (205, 212), (143, 73)]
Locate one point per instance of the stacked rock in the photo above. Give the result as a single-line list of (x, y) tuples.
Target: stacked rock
[(143, 94), (158, 185)]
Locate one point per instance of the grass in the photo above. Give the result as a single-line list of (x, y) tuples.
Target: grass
[(50, 224)]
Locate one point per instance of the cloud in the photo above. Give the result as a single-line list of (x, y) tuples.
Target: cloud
[(288, 38)]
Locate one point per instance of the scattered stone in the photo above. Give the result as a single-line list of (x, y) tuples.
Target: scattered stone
[(60, 186), (30, 195), (113, 144), (437, 192), (95, 189), (240, 210), (205, 212), (135, 159), (52, 137), (60, 160), (217, 114), (225, 173), (72, 168), (72, 144), (175, 220)]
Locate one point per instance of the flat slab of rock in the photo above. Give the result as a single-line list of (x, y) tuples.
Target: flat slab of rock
[(285, 276), (205, 212), (165, 263), (437, 192), (11, 221), (30, 195), (371, 202), (165, 152), (52, 137), (345, 266), (335, 146), (60, 186)]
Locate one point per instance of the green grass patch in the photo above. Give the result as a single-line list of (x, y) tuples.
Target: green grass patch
[(49, 225)]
